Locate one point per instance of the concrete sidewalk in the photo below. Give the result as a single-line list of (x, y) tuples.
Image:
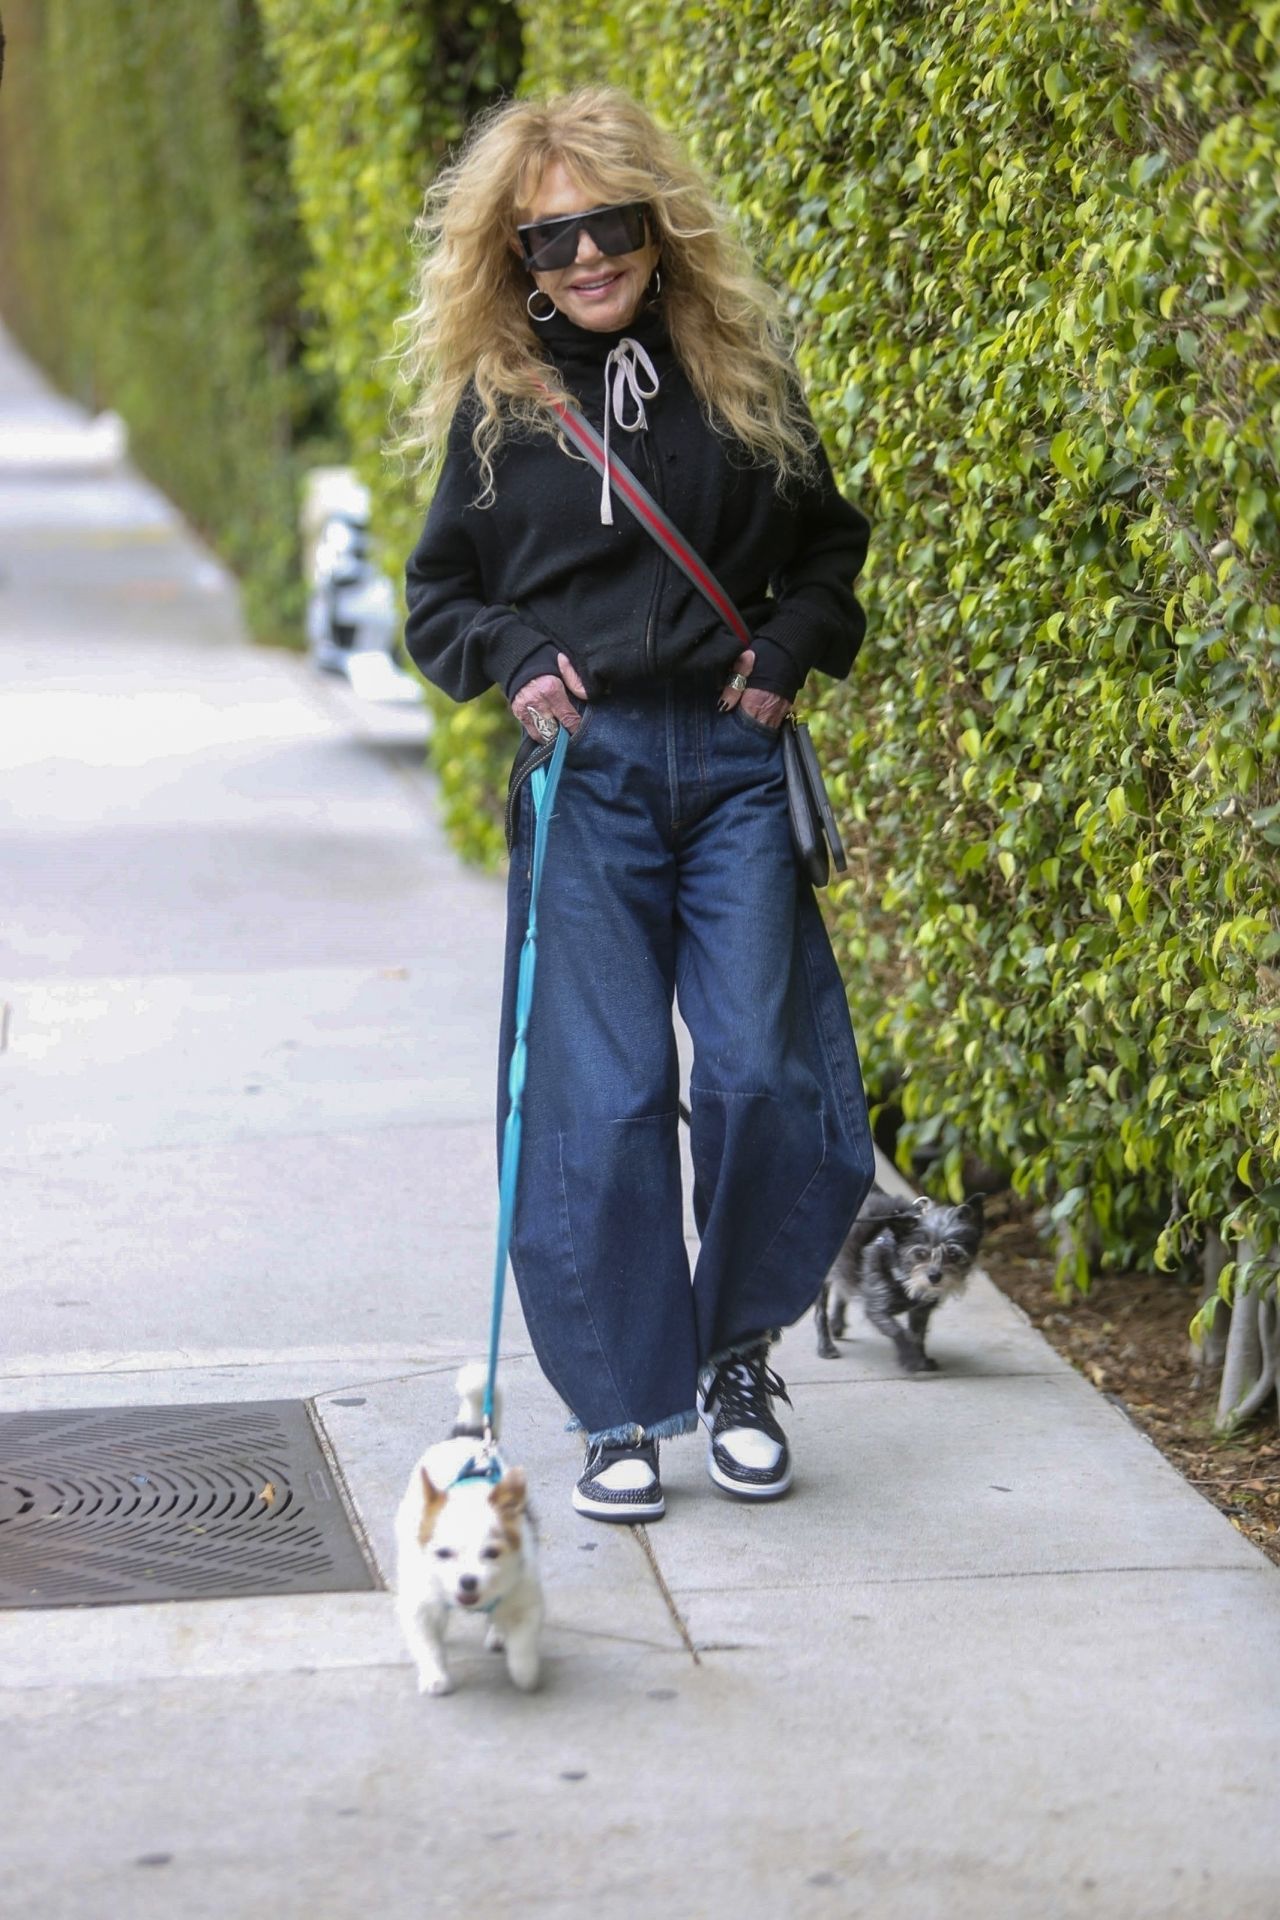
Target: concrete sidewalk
[(993, 1657)]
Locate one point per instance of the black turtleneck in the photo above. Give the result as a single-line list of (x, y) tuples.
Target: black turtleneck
[(495, 593)]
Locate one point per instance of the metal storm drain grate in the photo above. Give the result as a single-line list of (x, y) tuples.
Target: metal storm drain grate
[(111, 1504)]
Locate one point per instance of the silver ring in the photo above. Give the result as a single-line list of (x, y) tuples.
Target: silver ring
[(546, 726), (738, 680)]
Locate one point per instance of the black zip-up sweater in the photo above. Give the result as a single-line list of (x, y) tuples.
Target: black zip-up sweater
[(495, 593)]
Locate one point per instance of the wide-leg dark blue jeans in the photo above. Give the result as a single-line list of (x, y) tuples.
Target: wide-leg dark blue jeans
[(670, 872)]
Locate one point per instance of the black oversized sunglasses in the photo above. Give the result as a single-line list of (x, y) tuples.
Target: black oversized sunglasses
[(547, 244)]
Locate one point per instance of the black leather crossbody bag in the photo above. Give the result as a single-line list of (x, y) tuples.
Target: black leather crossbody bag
[(814, 832)]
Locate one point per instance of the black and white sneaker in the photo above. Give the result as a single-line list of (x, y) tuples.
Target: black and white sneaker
[(747, 1452), (621, 1483)]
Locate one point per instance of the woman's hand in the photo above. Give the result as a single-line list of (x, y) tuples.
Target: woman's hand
[(770, 709), (546, 698)]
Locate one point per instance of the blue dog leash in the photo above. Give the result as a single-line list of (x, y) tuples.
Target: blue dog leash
[(544, 782)]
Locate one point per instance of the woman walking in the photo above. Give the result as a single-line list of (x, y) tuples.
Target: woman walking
[(572, 253)]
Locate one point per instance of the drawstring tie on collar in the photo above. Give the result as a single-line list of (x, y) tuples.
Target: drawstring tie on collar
[(622, 362)]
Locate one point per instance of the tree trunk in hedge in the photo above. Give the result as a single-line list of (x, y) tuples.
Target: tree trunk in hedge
[(1208, 1357), (1253, 1351)]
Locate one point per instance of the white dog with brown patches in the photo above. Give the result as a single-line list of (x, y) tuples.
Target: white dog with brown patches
[(465, 1542)]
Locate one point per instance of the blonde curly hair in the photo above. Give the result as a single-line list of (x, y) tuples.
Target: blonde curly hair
[(470, 321)]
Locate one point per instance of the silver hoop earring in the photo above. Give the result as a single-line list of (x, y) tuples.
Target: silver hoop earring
[(657, 281), (541, 318)]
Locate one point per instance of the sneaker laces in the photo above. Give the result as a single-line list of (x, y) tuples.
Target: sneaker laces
[(741, 1389)]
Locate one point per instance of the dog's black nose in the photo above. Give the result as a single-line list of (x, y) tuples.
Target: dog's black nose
[(467, 1583)]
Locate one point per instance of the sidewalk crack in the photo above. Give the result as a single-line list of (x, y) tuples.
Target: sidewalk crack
[(677, 1618)]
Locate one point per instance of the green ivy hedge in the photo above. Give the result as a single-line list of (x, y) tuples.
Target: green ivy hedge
[(373, 93), (151, 257), (1033, 254)]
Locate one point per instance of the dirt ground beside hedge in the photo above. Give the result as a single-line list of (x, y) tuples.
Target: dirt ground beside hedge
[(1129, 1336)]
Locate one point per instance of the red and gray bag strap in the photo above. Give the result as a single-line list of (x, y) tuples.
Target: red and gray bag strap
[(813, 823), (642, 504)]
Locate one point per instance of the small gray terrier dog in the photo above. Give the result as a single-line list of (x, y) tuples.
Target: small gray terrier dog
[(902, 1259)]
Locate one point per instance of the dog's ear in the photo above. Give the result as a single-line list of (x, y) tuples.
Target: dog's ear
[(432, 1501), (510, 1493)]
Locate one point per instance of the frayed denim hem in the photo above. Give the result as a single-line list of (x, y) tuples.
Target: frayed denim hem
[(630, 1434), (740, 1351)]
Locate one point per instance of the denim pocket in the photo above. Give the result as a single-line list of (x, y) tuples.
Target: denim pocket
[(756, 728)]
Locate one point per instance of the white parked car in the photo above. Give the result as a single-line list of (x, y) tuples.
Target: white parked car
[(353, 621)]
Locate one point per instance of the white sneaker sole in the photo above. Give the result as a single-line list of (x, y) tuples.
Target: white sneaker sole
[(773, 1491), (624, 1514)]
